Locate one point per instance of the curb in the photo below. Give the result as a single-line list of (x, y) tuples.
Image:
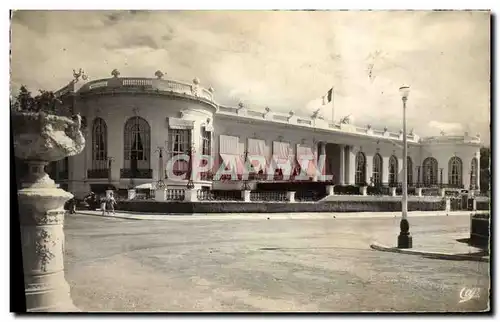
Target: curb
[(257, 216), (434, 255)]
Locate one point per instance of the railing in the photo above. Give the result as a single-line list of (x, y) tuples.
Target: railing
[(254, 113), (308, 196), (97, 173), (99, 84), (175, 194), (148, 84), (304, 121), (137, 82), (281, 118), (219, 195), (136, 173), (268, 196)]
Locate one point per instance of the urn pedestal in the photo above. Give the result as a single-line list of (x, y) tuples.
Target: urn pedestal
[(38, 140)]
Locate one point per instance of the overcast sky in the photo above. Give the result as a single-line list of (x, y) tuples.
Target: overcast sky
[(282, 59)]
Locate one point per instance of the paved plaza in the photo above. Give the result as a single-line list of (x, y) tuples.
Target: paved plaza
[(265, 265)]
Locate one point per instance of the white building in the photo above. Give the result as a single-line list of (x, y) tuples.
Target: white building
[(129, 120)]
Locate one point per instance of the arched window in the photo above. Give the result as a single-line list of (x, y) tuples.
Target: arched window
[(99, 144), (393, 170), (473, 174), (430, 171), (409, 164), (377, 169), (136, 144), (455, 172), (360, 178)]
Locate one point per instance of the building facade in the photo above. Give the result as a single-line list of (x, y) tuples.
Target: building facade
[(135, 125)]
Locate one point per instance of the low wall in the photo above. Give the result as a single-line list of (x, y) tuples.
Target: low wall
[(277, 207), (480, 230)]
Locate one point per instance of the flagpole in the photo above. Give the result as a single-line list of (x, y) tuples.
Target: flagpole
[(333, 103)]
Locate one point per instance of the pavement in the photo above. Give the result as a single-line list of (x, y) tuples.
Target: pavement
[(232, 264)]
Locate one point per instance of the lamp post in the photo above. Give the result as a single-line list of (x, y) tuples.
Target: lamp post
[(404, 238), (161, 173), (190, 183), (245, 182)]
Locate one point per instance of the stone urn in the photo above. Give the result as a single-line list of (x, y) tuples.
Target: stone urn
[(40, 138)]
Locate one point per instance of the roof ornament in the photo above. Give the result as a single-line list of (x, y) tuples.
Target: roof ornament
[(196, 81), (267, 109), (159, 74), (115, 73), (291, 113), (81, 73), (385, 129), (211, 90), (346, 119), (442, 133)]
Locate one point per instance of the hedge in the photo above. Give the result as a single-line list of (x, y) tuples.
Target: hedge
[(152, 206)]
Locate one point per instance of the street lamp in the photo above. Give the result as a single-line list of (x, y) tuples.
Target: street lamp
[(404, 238)]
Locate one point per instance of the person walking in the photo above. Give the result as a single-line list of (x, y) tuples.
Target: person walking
[(103, 204), (110, 204)]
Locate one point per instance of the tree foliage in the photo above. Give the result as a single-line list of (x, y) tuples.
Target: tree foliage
[(484, 166), (45, 101)]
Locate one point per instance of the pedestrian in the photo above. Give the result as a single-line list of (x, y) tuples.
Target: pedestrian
[(72, 206), (103, 204), (110, 204)]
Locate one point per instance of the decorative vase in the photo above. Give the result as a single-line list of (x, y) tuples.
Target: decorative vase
[(40, 138)]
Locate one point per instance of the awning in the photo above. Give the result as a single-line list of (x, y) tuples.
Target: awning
[(234, 163), (306, 153), (257, 152)]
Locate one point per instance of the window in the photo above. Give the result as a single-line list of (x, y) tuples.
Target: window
[(137, 143), (99, 144), (455, 172), (393, 170), (430, 169), (473, 174), (206, 142), (377, 169), (360, 178), (179, 144), (409, 164)]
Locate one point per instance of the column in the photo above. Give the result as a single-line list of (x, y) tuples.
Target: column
[(466, 173), (478, 171), (351, 166), (341, 179), (322, 156), (385, 170), (369, 167)]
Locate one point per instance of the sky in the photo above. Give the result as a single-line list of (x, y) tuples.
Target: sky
[(284, 60)]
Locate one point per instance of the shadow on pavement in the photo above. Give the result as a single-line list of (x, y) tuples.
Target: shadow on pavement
[(483, 246)]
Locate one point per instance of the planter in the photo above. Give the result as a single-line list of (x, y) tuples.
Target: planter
[(39, 139)]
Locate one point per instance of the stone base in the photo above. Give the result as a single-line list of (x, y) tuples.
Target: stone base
[(405, 241), (392, 191), (330, 190), (418, 192), (363, 190), (245, 195), (161, 194), (191, 195)]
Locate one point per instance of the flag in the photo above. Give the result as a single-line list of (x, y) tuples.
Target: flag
[(328, 97)]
